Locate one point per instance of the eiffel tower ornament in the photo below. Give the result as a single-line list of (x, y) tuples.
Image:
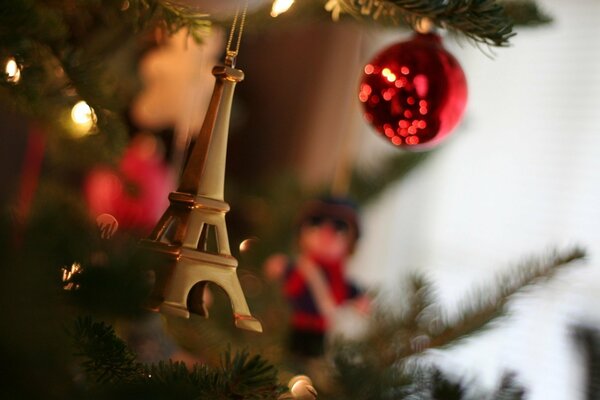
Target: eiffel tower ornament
[(191, 236)]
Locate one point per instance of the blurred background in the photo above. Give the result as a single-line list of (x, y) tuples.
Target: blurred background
[(518, 175)]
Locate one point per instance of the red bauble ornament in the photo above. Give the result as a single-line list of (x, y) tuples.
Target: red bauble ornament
[(414, 93), (136, 193)]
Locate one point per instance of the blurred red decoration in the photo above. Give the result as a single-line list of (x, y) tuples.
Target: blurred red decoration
[(414, 92), (136, 193)]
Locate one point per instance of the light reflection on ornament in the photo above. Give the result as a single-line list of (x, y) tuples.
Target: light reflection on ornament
[(387, 95), (280, 6), (412, 140), (12, 70), (365, 92), (421, 85), (389, 75), (301, 388), (68, 274), (245, 245), (107, 224), (248, 244)]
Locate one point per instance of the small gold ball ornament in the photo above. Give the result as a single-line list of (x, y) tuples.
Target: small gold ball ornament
[(301, 388)]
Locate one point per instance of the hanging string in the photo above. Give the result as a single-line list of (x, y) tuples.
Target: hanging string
[(230, 55)]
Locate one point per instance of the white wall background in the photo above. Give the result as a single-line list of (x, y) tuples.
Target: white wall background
[(521, 175)]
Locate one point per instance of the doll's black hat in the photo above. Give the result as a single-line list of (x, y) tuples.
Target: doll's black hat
[(339, 208)]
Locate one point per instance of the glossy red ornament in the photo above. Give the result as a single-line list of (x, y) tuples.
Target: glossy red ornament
[(414, 92), (136, 193)]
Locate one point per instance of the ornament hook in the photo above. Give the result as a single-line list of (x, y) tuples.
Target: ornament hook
[(231, 55)]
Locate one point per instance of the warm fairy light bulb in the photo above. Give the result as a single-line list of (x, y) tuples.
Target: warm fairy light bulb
[(280, 6), (12, 70), (83, 116)]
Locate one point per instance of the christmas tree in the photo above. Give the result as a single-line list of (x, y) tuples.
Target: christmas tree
[(106, 108)]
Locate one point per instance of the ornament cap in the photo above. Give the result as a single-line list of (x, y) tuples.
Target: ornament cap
[(228, 72), (425, 25)]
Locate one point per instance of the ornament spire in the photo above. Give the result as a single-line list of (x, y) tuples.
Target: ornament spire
[(191, 236), (199, 176)]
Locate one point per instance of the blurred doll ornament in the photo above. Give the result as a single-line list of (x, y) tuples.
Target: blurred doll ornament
[(135, 194), (414, 92), (315, 283)]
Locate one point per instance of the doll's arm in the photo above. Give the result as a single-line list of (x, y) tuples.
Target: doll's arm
[(318, 286)]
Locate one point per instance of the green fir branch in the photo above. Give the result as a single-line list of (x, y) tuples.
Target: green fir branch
[(249, 377), (106, 358), (483, 21), (70, 51), (509, 389), (431, 383), (381, 356), (480, 312), (115, 373), (173, 16)]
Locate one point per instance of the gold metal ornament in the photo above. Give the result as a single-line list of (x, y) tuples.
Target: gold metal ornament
[(191, 236), (300, 388)]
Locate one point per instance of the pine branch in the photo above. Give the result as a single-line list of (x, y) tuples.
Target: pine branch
[(107, 359), (249, 377), (173, 16), (71, 51), (381, 359), (431, 384), (112, 366), (483, 21), (481, 312), (509, 389)]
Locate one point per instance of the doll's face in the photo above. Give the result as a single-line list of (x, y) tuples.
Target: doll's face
[(325, 238)]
